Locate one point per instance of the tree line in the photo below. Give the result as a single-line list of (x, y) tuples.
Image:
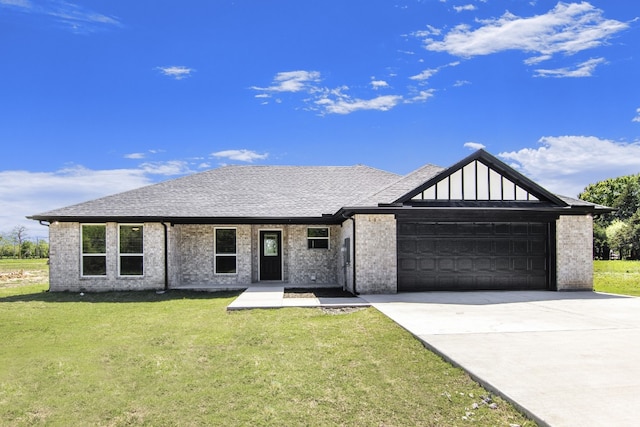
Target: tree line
[(18, 244), (616, 235)]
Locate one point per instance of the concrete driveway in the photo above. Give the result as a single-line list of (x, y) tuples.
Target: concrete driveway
[(565, 359)]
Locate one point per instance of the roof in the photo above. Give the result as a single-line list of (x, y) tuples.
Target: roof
[(240, 192), (401, 186), (287, 193)]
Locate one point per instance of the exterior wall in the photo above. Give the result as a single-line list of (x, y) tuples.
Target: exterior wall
[(194, 261), (375, 254), (574, 246), (64, 255), (311, 266)]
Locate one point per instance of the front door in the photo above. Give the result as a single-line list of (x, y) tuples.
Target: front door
[(270, 255)]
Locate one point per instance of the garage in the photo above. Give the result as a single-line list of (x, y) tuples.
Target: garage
[(435, 256)]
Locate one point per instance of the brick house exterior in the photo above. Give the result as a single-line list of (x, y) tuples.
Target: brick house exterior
[(476, 225)]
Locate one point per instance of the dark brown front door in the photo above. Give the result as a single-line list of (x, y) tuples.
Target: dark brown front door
[(270, 255)]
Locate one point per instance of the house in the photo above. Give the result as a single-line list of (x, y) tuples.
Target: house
[(478, 225)]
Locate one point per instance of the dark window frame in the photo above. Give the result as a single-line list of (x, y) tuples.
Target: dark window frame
[(318, 241), (131, 262), (222, 253), (93, 252)]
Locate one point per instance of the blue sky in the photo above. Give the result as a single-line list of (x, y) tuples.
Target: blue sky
[(99, 97)]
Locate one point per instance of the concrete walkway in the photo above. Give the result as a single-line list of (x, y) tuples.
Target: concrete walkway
[(565, 359), (273, 297)]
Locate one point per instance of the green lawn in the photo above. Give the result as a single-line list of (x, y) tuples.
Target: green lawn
[(617, 277), (140, 358)]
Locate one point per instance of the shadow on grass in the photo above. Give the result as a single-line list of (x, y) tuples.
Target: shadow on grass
[(118, 297)]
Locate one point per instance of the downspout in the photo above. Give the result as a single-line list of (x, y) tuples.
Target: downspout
[(166, 257)]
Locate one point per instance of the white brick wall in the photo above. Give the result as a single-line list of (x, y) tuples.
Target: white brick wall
[(375, 254), (574, 246), (194, 261), (65, 274), (304, 261)]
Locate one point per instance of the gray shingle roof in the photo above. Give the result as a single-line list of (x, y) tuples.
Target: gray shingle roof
[(402, 186), (261, 192), (241, 191)]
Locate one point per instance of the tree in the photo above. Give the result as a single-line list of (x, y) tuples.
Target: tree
[(622, 194), (19, 235), (619, 230)]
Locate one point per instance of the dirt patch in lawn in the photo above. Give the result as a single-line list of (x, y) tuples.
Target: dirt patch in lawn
[(11, 279)]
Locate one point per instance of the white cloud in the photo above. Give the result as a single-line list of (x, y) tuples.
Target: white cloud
[(240, 155), (567, 164), (637, 117), (26, 193), (169, 168), (291, 81), (134, 156), (17, 3), (567, 28), (584, 69), (430, 72), (474, 146), (346, 105), (176, 72), (425, 75), (459, 83), (422, 96), (327, 100), (467, 7), (76, 18), (378, 84)]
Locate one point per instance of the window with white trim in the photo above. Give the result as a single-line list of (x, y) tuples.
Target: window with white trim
[(131, 250), (94, 249), (225, 251), (318, 237)]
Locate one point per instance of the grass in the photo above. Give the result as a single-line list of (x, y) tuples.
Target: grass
[(617, 277), (139, 358)]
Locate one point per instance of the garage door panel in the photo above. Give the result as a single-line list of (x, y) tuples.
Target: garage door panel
[(407, 246), (426, 229), (484, 246), (502, 247), (483, 264), (520, 247), (520, 264), (472, 256), (426, 246), (427, 265), (465, 264), (446, 264)]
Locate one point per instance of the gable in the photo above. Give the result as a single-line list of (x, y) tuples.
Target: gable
[(480, 178)]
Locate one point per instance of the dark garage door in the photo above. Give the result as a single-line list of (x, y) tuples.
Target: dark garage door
[(471, 256)]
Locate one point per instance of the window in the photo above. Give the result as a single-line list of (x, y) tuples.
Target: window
[(225, 251), (131, 250), (94, 250), (318, 238)]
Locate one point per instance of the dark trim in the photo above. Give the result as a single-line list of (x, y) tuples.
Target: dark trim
[(552, 256), (166, 256), (493, 163), (353, 255), (325, 219)]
